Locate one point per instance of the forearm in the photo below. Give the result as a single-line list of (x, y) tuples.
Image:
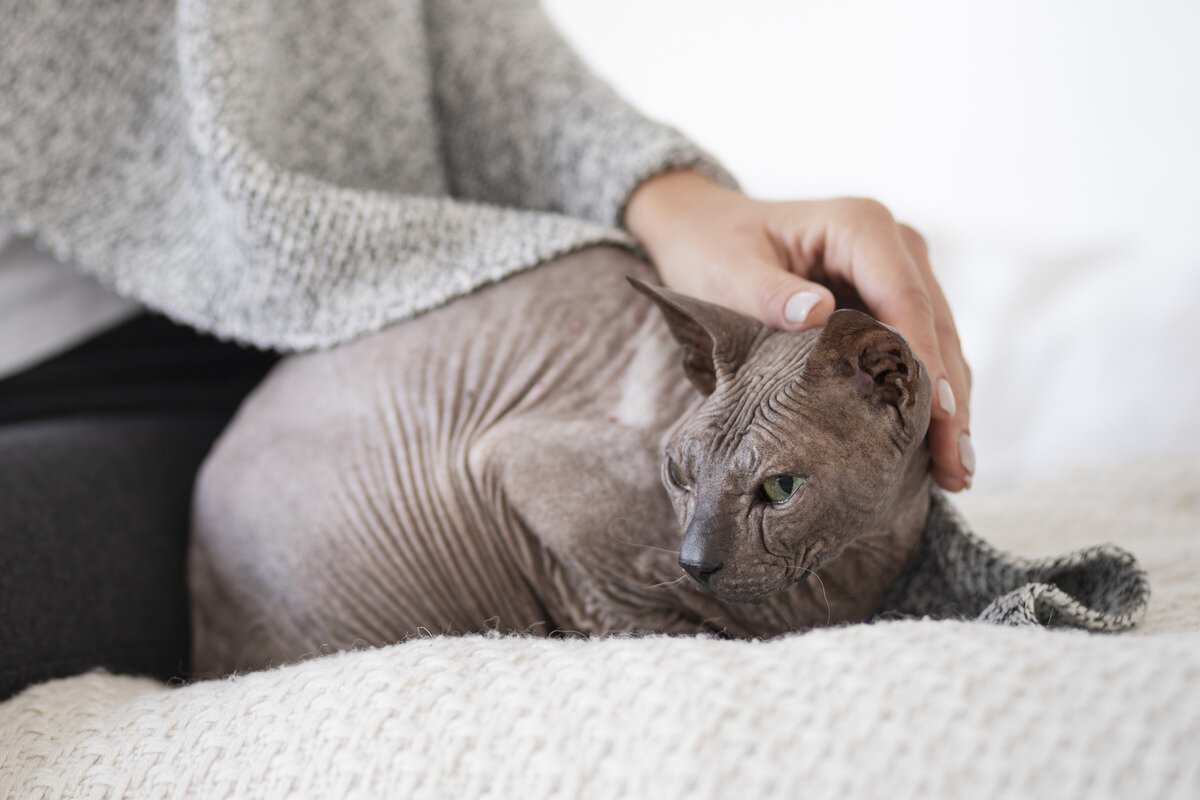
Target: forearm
[(660, 207)]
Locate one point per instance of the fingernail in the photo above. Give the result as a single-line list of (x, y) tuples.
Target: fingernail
[(966, 453), (799, 305), (967, 482), (945, 396)]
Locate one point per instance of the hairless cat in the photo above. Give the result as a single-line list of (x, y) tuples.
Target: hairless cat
[(500, 463), (531, 458)]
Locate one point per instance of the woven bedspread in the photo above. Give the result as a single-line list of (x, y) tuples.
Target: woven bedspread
[(909, 708)]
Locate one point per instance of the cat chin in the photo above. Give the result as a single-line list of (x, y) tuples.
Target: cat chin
[(749, 594), (747, 599), (760, 590)]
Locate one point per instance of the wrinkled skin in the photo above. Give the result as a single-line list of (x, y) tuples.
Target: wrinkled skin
[(501, 463)]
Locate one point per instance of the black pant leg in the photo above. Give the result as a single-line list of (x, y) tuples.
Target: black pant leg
[(95, 512), (98, 453)]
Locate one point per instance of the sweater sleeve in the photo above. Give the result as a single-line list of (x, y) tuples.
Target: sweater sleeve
[(525, 124), (294, 175)]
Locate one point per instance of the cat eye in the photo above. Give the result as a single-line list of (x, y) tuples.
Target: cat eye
[(676, 475), (780, 488)]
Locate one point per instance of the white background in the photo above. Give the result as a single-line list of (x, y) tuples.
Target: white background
[(1049, 150)]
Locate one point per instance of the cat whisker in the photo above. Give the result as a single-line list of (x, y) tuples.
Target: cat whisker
[(828, 609), (612, 535), (668, 584)]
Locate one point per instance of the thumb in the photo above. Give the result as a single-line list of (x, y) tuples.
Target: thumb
[(779, 298)]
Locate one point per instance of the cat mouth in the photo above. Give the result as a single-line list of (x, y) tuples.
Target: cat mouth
[(752, 589), (748, 596), (746, 583)]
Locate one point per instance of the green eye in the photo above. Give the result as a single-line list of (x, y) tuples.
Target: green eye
[(780, 488), (676, 475)]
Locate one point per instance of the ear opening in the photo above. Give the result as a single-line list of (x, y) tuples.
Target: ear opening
[(873, 358), (716, 341)]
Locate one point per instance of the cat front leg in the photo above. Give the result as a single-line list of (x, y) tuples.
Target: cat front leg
[(581, 498)]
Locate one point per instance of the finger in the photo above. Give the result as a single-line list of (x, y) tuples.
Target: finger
[(870, 253), (949, 437), (766, 291), (958, 372), (953, 455), (947, 332), (950, 442)]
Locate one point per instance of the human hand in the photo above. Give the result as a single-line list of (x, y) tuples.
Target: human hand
[(777, 262)]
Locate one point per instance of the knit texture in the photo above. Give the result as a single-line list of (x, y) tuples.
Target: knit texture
[(908, 709), (898, 710), (956, 575), (293, 175)]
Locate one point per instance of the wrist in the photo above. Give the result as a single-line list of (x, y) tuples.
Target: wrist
[(660, 205)]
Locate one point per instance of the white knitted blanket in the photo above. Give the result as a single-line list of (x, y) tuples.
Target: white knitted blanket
[(901, 709)]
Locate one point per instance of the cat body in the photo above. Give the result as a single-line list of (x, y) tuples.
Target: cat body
[(498, 464)]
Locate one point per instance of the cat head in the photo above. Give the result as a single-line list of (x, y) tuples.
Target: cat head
[(805, 441)]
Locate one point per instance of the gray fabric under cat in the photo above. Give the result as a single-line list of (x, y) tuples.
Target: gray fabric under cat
[(956, 575)]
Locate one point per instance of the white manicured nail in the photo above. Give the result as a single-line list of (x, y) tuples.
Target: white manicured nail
[(799, 305), (945, 396), (966, 453)]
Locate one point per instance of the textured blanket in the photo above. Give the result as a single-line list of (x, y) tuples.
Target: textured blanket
[(913, 709), (910, 709)]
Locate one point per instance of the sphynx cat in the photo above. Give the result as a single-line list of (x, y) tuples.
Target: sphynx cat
[(532, 458)]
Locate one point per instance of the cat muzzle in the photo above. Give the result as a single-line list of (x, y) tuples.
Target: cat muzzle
[(697, 556), (700, 570)]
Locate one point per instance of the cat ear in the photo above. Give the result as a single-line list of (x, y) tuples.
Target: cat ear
[(871, 357), (716, 341)]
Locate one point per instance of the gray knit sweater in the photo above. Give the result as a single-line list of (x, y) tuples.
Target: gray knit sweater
[(295, 174)]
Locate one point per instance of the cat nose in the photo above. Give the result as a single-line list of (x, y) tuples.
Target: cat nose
[(700, 570)]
